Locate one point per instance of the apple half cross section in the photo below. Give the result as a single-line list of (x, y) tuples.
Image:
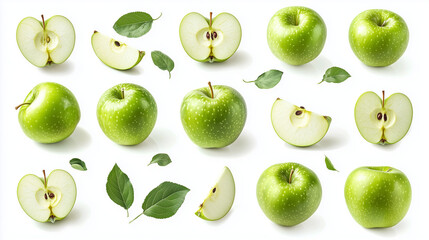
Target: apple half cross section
[(47, 199), (212, 40), (383, 121), (115, 54), (50, 41), (220, 199), (296, 125)]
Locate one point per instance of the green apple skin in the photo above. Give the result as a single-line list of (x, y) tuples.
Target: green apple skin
[(378, 37), (127, 117), (296, 35), (213, 122), (377, 197), (49, 113), (287, 200)]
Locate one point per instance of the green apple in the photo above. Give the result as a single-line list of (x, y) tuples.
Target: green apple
[(115, 54), (220, 199), (296, 125), (210, 40), (47, 199), (378, 37), (288, 193), (49, 113), (44, 42), (296, 35), (383, 121), (127, 113), (213, 117), (377, 197)]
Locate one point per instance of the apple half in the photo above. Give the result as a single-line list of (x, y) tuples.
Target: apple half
[(210, 40), (220, 199), (47, 199), (296, 125), (44, 42), (115, 54), (383, 121)]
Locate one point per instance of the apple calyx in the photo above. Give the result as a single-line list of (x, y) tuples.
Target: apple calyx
[(211, 90), (22, 104)]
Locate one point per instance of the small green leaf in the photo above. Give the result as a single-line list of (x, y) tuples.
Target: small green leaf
[(119, 188), (78, 164), (335, 75), (162, 61), (162, 159), (329, 164), (134, 24), (268, 79)]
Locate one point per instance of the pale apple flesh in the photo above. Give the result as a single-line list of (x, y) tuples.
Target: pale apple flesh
[(212, 40), (47, 199), (115, 54), (296, 125), (383, 121), (220, 199), (45, 42)]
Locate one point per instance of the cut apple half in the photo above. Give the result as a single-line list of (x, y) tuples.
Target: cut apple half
[(115, 54), (50, 41), (296, 125), (47, 199), (383, 121), (220, 199), (210, 40)]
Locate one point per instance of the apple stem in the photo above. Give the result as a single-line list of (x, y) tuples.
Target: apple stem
[(290, 176), (136, 217), (388, 170), (383, 99), (43, 21), (211, 14), (122, 93), (211, 89), (20, 105), (44, 176)]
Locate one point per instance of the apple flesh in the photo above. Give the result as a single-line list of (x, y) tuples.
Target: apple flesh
[(296, 125), (47, 199), (377, 197), (210, 40), (50, 41), (383, 121), (220, 199), (115, 54)]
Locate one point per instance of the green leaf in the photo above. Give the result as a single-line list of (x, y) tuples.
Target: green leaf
[(335, 75), (162, 61), (134, 24), (119, 188), (268, 79), (329, 164), (162, 159), (78, 164)]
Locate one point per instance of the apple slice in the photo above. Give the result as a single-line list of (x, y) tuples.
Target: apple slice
[(115, 54), (47, 199), (297, 126), (212, 40), (383, 121), (220, 199), (45, 42)]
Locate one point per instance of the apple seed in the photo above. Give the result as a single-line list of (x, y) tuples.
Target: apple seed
[(208, 35), (299, 112), (379, 116), (214, 190), (51, 195), (46, 197), (385, 117), (117, 43), (214, 35)]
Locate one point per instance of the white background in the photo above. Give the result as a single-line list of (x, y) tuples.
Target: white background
[(258, 147)]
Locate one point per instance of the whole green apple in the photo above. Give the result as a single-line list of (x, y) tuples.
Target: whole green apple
[(213, 117), (377, 197), (378, 37), (296, 35), (49, 113), (288, 193), (127, 113)]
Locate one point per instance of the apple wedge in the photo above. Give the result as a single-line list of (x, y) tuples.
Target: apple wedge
[(383, 121), (296, 125), (115, 54), (50, 41), (220, 199)]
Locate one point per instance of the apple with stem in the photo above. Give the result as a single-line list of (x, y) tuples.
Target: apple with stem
[(115, 54), (49, 198), (383, 121), (213, 116), (210, 40), (45, 42)]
